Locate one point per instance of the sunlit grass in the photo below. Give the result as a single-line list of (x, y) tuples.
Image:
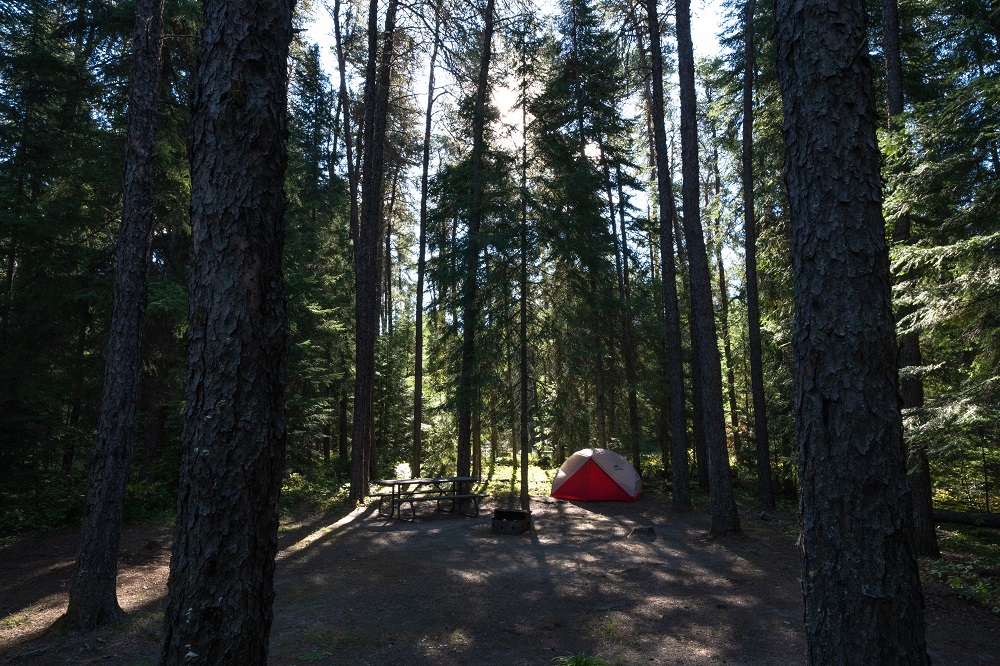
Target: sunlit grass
[(503, 480)]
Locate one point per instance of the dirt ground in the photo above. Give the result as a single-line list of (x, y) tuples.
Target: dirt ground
[(593, 578)]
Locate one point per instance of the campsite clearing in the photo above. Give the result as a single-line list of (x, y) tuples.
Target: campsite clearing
[(634, 583)]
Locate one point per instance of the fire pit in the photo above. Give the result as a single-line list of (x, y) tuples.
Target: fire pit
[(511, 521)]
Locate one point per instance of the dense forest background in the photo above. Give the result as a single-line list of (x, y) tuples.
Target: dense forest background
[(567, 289)]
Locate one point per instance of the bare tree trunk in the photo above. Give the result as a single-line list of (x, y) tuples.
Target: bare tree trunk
[(765, 488), (720, 239), (697, 414), (345, 106), (727, 348), (662, 427), (342, 423), (221, 589), (470, 315), (369, 227), (418, 355), (860, 582), (93, 598), (624, 296), (600, 395), (522, 330), (673, 355), (725, 518), (477, 446)]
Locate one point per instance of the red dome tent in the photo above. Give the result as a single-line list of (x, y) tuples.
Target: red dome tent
[(597, 474)]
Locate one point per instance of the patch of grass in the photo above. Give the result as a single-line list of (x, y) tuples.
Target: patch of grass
[(15, 620), (312, 656), (371, 638), (459, 637), (499, 484), (981, 542), (303, 494), (146, 623), (579, 659), (611, 629)]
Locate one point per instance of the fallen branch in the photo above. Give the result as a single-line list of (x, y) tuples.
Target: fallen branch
[(965, 518)]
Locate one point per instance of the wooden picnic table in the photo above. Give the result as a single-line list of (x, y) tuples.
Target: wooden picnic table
[(445, 490)]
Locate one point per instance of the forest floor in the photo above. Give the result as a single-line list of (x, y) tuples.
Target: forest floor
[(592, 578)]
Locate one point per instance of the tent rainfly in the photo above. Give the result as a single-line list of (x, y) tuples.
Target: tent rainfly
[(597, 474)]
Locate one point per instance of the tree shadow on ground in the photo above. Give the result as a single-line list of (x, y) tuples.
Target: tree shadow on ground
[(634, 583)]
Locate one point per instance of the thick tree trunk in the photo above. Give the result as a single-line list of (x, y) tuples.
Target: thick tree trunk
[(765, 488), (366, 322), (863, 602), (470, 288), (725, 518), (221, 589), (93, 599), (673, 356), (418, 354)]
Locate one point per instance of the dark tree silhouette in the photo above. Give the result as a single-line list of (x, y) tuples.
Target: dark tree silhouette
[(671, 307), (470, 284), (765, 488), (93, 598), (706, 362), (376, 99)]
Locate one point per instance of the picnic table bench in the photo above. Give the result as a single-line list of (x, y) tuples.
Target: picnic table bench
[(449, 492)]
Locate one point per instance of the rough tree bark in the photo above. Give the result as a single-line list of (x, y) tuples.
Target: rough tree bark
[(765, 489), (863, 603), (221, 588), (671, 308), (93, 598), (725, 518)]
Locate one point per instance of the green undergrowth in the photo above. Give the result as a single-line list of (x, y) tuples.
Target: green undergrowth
[(971, 564), (503, 481), (313, 491)]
